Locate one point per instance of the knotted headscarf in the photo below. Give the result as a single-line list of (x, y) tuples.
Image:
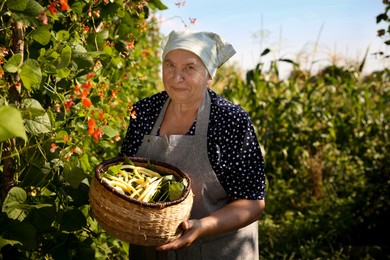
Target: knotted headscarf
[(208, 46)]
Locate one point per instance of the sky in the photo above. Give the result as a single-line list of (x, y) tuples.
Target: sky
[(311, 32)]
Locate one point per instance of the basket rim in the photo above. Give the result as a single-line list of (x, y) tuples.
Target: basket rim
[(107, 163)]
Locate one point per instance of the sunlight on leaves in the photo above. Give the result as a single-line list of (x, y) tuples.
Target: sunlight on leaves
[(11, 124), (36, 119), (30, 73)]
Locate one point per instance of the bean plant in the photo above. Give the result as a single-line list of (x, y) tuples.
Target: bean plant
[(69, 74)]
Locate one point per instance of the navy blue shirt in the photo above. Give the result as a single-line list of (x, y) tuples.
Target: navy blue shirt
[(232, 146)]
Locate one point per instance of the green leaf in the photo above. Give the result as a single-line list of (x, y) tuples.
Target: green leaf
[(30, 73), (73, 220), (176, 189), (109, 131), (85, 165), (289, 61), (381, 17), (81, 58), (12, 203), (107, 50), (127, 161), (63, 35), (77, 7), (158, 4), (13, 63), (4, 242), (83, 195), (114, 169), (24, 232), (60, 136), (17, 5), (11, 124), (33, 8), (37, 175), (111, 9), (62, 73), (36, 119), (265, 52), (73, 173), (116, 62), (65, 57), (42, 35), (43, 217)]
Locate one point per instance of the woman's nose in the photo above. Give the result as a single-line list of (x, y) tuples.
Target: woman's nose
[(178, 75)]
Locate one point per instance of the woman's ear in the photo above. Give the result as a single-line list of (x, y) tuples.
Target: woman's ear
[(209, 80)]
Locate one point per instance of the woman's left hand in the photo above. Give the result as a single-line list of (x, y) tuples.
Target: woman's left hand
[(234, 215), (192, 230)]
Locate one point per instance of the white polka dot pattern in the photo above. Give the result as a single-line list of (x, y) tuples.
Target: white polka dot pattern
[(233, 149)]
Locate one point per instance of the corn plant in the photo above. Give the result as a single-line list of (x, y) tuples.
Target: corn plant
[(325, 141)]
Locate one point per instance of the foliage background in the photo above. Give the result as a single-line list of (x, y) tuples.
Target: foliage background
[(69, 74)]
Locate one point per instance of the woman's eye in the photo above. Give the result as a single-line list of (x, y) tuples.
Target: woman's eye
[(169, 65)]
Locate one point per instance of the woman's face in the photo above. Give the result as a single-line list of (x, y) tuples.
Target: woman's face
[(185, 77)]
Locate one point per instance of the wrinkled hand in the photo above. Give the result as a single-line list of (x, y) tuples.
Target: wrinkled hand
[(192, 230), (236, 214)]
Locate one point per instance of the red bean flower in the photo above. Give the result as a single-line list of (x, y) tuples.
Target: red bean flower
[(86, 102), (52, 8), (64, 5), (91, 126), (97, 134)]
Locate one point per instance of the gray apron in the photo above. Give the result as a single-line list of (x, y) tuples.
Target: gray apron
[(189, 153)]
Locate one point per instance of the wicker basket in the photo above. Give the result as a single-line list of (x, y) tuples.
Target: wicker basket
[(133, 221)]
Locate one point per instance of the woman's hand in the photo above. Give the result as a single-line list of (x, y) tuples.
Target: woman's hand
[(192, 231), (235, 215)]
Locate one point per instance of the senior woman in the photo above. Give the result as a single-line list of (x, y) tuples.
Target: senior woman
[(191, 127)]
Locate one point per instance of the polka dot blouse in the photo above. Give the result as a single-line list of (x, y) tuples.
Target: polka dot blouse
[(233, 150)]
